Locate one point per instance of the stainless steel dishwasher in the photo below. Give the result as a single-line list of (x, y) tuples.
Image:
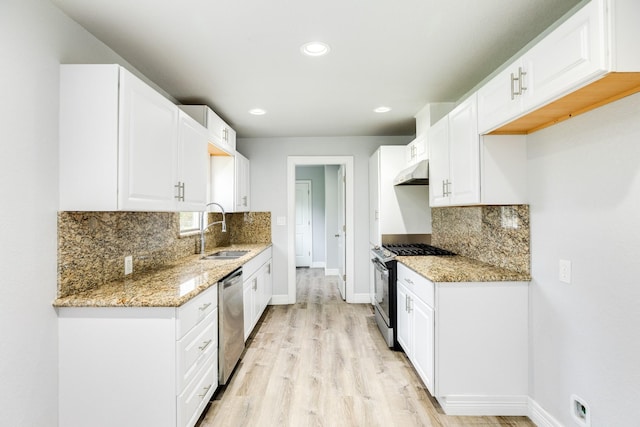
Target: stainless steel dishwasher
[(230, 324)]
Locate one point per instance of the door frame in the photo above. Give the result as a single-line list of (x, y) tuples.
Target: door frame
[(348, 162)]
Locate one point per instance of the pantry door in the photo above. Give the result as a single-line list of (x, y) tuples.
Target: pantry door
[(304, 228)]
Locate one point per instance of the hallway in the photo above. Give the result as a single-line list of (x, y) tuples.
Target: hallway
[(322, 362)]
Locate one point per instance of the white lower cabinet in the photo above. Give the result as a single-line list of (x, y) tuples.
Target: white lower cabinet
[(416, 322), (138, 366), (257, 289), (467, 341)]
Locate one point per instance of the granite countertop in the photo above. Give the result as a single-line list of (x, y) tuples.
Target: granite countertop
[(460, 269), (171, 286)]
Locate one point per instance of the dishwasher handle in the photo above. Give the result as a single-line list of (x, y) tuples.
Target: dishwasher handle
[(232, 278)]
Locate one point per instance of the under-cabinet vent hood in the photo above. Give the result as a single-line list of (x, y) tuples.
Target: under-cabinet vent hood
[(417, 174)]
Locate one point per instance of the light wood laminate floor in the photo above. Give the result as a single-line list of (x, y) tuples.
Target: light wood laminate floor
[(323, 362)]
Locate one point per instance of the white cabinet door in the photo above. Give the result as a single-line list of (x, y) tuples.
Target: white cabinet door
[(192, 164), (423, 341), (148, 135), (416, 150), (403, 321), (497, 102), (242, 184), (464, 152), (230, 182), (568, 57), (439, 162), (267, 292), (247, 302)]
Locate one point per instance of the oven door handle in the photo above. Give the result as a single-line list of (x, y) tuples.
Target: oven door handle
[(380, 266)]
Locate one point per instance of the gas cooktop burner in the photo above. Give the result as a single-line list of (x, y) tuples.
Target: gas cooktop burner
[(415, 249)]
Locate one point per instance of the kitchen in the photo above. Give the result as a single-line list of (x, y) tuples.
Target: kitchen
[(583, 197)]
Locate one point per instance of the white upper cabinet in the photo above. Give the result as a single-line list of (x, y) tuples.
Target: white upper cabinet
[(454, 160), (242, 183), (222, 138), (193, 163), (230, 182), (464, 154), (148, 131), (416, 150), (467, 169), (586, 61), (123, 146)]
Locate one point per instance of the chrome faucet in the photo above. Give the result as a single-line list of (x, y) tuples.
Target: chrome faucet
[(204, 215)]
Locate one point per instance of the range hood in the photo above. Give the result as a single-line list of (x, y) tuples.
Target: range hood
[(417, 174)]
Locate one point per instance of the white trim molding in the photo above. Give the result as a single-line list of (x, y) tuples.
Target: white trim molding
[(540, 417), (485, 405)]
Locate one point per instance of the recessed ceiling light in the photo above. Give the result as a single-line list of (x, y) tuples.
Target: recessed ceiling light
[(315, 48), (382, 110), (257, 111)]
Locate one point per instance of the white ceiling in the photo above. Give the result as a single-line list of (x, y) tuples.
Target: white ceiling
[(235, 55)]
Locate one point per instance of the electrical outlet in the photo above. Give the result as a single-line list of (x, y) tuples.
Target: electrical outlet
[(580, 411), (128, 264), (565, 271)]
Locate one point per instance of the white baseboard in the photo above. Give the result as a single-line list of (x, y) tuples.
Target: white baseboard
[(485, 405), (360, 299), (331, 272), (279, 300), (318, 264), (540, 417)]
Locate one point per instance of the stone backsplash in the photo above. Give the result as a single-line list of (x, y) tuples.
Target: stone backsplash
[(496, 235), (92, 245)]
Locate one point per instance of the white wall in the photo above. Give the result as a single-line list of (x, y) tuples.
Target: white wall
[(269, 190), (315, 174), (35, 37), (584, 187)]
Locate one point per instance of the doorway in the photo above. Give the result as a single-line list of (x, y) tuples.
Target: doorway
[(344, 233)]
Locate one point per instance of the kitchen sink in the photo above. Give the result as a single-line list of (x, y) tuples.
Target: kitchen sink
[(226, 255)]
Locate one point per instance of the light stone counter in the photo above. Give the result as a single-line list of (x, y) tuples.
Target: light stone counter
[(169, 286), (460, 269)]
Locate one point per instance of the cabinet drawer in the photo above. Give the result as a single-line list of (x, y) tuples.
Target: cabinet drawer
[(255, 263), (195, 348), (422, 287), (193, 399), (192, 312)]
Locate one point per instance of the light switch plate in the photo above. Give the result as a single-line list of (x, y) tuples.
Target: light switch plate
[(565, 271)]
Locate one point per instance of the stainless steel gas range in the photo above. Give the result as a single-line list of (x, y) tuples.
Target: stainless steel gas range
[(384, 264)]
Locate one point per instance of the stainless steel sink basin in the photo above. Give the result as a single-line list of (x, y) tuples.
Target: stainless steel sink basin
[(226, 255)]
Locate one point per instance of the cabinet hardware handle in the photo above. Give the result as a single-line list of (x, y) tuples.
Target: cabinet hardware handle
[(205, 345), (180, 187), (244, 201), (269, 269), (406, 303), (203, 307), (410, 303), (408, 280), (521, 74), (255, 284), (513, 90), (206, 390)]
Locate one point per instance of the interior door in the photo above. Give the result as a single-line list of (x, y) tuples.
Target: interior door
[(304, 229), (341, 231)]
